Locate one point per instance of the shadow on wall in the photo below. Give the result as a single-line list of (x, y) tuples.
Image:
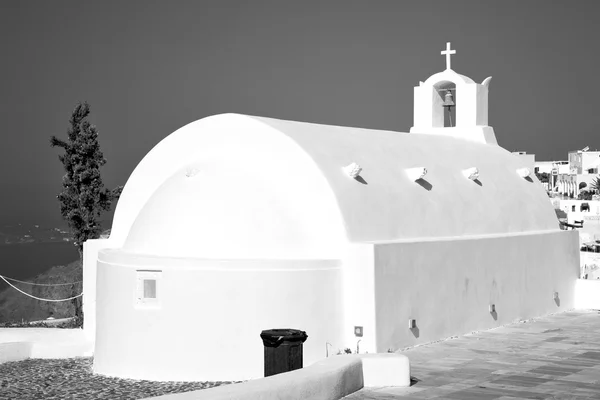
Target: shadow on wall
[(560, 213), (424, 184), (361, 180), (415, 331)]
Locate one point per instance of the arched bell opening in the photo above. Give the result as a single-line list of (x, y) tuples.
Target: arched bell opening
[(445, 104)]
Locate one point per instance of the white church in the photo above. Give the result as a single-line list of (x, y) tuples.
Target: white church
[(365, 239)]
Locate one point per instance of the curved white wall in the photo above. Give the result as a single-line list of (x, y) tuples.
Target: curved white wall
[(242, 165), (211, 315), (267, 200)]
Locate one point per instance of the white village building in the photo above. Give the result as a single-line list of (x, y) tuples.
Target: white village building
[(235, 224), (583, 171)]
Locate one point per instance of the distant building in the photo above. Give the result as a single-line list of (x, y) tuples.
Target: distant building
[(584, 162), (554, 168), (583, 168), (547, 167)]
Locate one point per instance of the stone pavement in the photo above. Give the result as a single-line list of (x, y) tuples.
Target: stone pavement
[(554, 357)]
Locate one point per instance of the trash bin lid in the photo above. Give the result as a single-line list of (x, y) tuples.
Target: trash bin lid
[(274, 337)]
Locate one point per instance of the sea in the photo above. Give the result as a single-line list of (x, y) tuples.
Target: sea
[(26, 260)]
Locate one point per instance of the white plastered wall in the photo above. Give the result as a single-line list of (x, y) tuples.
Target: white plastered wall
[(211, 313), (468, 106), (448, 285), (482, 106), (359, 298), (91, 248)]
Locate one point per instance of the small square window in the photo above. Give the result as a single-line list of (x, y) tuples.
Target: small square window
[(147, 291), (149, 288)]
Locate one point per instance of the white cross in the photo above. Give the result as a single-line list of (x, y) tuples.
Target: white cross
[(448, 53)]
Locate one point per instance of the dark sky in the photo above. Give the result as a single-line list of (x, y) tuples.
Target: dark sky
[(148, 68)]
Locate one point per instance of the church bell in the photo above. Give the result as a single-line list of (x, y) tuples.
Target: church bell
[(448, 100)]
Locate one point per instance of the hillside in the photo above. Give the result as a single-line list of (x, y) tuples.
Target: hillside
[(15, 306)]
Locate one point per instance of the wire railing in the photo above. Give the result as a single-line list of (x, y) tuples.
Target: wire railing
[(7, 280)]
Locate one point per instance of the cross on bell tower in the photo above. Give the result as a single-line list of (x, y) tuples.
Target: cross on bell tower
[(448, 53)]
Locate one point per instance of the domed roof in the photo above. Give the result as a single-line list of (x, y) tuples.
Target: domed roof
[(266, 186), (245, 191)]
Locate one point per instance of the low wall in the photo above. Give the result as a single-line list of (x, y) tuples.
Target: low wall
[(21, 343), (567, 206), (331, 379), (15, 351), (448, 285)]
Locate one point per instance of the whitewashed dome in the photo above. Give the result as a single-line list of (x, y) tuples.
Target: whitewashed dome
[(237, 188)]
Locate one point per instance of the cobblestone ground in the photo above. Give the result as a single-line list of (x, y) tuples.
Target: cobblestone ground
[(73, 379)]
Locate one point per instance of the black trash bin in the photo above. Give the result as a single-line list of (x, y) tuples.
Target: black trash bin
[(283, 350)]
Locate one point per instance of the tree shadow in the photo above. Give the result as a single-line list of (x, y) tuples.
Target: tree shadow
[(557, 300), (477, 181), (494, 315), (424, 184), (528, 179)]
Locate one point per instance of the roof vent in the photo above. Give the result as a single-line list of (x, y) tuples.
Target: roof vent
[(414, 174), (523, 172), (471, 173), (353, 170)]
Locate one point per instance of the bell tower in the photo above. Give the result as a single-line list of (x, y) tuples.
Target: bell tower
[(448, 91)]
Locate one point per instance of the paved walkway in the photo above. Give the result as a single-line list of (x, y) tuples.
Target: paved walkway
[(555, 357)]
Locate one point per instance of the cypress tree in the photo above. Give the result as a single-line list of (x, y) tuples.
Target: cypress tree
[(83, 197)]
